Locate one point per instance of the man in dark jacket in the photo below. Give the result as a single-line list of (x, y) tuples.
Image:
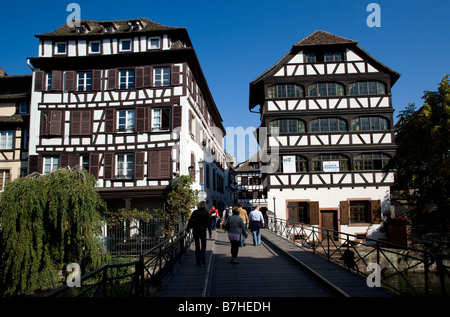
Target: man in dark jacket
[(199, 222)]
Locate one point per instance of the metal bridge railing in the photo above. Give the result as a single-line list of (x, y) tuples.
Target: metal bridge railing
[(396, 262), (137, 278)]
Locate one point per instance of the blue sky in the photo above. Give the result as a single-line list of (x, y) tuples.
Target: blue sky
[(236, 41)]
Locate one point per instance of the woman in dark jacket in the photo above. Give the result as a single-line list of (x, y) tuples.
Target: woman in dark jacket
[(235, 227), (199, 222)]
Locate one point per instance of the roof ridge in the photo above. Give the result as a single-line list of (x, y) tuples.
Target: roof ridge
[(320, 37)]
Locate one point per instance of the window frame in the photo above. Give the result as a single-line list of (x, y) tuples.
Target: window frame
[(283, 126), (86, 86), (127, 84), (370, 161), (281, 91), (126, 171), (359, 211), (163, 81), (322, 89), (160, 127), (362, 88), (317, 162), (364, 123), (126, 117), (99, 47), (57, 48), (121, 42), (341, 125), (55, 163), (6, 139), (149, 43)]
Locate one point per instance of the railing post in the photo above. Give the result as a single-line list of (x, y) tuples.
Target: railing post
[(427, 270), (313, 240), (328, 242)]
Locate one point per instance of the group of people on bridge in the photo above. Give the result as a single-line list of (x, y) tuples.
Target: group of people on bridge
[(234, 220)]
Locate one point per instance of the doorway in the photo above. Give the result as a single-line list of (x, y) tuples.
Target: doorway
[(328, 218)]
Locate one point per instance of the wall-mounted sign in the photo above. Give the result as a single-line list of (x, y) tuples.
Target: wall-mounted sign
[(331, 166), (289, 164)]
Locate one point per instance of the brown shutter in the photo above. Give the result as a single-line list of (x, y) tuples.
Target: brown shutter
[(293, 213), (142, 119), (56, 122), (70, 81), (108, 165), (148, 79), (160, 163), (176, 119), (94, 161), (109, 120), (86, 123), (56, 80), (313, 212), (139, 77), (34, 164), (139, 162), (39, 81), (97, 80), (111, 79), (75, 122), (375, 211), (153, 164), (175, 76), (345, 212), (166, 163)]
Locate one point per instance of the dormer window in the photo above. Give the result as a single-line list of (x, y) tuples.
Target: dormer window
[(333, 56), (60, 48), (108, 27), (81, 30), (125, 45)]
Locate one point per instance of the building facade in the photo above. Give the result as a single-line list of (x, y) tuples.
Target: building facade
[(327, 109), (127, 101), (15, 94)]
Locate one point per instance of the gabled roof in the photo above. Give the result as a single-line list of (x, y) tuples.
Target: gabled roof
[(323, 38)]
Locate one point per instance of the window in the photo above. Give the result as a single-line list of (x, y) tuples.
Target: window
[(161, 119), (359, 211), (367, 88), (162, 76), (84, 81), (326, 89), (60, 48), (84, 162), (298, 211), (333, 57), (285, 91), (125, 166), (125, 45), (370, 123), (328, 124), (125, 120), (287, 126), (339, 161), (311, 57), (23, 108), (371, 161), (6, 139), (51, 163), (48, 83), (94, 47), (4, 179), (126, 79), (154, 43), (293, 164)]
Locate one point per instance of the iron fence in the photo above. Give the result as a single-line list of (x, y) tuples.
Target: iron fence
[(403, 270), (138, 278)]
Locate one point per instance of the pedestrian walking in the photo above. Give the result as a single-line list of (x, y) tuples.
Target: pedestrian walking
[(236, 228), (213, 216), (256, 223), (199, 222), (244, 216)]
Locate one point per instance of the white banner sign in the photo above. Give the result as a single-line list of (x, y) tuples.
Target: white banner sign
[(331, 166), (289, 164)]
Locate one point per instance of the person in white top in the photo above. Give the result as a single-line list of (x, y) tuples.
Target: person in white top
[(256, 223)]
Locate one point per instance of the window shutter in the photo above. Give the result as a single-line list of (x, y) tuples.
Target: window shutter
[(375, 211), (94, 160), (153, 162), (142, 119), (86, 123), (176, 119), (56, 121), (80, 122), (70, 81), (56, 80), (75, 122), (166, 163), (34, 164), (97, 80), (111, 79), (313, 212), (175, 76), (293, 213), (160, 163), (108, 166), (139, 77), (139, 165), (148, 79), (109, 120), (39, 81), (345, 212)]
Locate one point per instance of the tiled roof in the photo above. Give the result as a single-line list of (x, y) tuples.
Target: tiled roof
[(323, 38), (120, 27)]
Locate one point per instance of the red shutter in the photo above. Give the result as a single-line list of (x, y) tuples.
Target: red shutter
[(142, 119), (56, 80), (139, 162), (109, 120), (70, 81), (39, 81), (97, 80), (139, 77), (94, 161), (175, 76), (108, 166), (176, 119)]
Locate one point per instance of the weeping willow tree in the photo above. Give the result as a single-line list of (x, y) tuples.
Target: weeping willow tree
[(48, 222)]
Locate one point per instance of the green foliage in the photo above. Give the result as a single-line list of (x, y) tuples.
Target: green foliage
[(423, 150), (48, 222), (118, 217), (180, 199)]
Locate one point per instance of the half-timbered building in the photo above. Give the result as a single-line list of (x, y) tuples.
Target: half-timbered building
[(127, 101), (15, 91), (327, 108)]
